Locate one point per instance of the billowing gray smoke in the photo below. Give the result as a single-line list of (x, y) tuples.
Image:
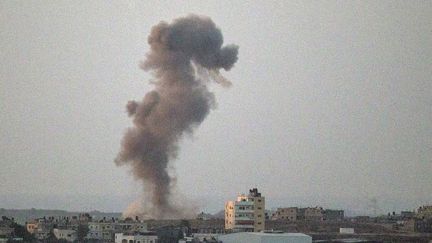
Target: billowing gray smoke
[(184, 55)]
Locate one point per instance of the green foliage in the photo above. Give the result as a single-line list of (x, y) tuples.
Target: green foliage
[(21, 232)]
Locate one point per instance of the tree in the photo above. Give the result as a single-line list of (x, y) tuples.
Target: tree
[(21, 232)]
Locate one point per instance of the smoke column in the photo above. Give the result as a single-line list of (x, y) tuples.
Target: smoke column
[(184, 56)]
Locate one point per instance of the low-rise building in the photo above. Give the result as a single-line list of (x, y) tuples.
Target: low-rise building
[(407, 214), (289, 214), (31, 226), (346, 230), (42, 229), (104, 230), (310, 214), (262, 237), (313, 214), (65, 234), (100, 231), (200, 238), (138, 237), (333, 215), (424, 212)]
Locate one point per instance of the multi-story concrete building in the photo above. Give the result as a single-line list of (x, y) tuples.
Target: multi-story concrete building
[(310, 214), (104, 230), (289, 214), (100, 231), (246, 213)]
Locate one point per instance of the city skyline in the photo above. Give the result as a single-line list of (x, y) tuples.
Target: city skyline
[(330, 105)]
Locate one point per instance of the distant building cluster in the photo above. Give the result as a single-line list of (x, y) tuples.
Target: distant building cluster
[(243, 220), (307, 214), (84, 228), (419, 221)]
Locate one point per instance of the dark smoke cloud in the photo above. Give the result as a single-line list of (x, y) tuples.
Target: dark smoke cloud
[(183, 56)]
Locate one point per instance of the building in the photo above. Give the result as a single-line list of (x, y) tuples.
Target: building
[(333, 215), (262, 237), (423, 225), (65, 234), (424, 212), (169, 233), (198, 238), (310, 214), (407, 214), (40, 228), (246, 213), (313, 214), (100, 231), (138, 237), (104, 230), (289, 214), (346, 230), (31, 226)]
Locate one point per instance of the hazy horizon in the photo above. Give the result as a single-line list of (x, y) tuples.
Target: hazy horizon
[(331, 104)]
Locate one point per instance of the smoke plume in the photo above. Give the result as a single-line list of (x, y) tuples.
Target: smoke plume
[(184, 56)]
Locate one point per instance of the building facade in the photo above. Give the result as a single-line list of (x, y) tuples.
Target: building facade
[(247, 213), (333, 215), (104, 230), (424, 212), (289, 214), (65, 234), (142, 237)]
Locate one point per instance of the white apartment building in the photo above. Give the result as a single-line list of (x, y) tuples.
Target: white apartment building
[(246, 213), (142, 237)]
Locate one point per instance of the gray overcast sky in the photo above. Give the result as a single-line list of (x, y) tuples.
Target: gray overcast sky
[(331, 103)]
